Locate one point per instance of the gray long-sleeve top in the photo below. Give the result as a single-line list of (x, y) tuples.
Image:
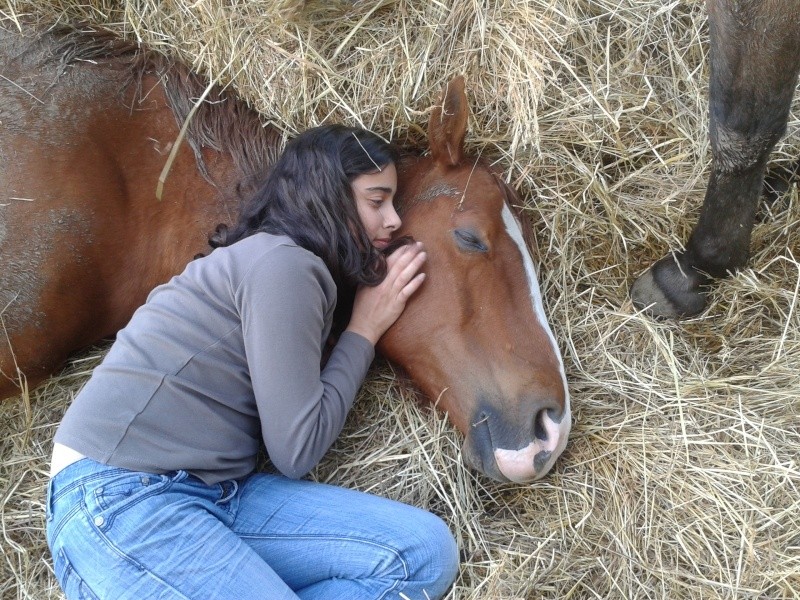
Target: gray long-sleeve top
[(222, 356)]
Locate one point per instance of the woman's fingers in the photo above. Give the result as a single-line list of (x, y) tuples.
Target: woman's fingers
[(411, 287), (404, 253), (404, 264), (403, 277), (377, 308)]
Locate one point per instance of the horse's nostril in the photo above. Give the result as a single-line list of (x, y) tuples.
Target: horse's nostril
[(539, 429), (540, 460)]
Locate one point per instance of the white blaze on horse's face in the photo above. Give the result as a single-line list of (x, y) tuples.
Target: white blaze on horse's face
[(534, 460)]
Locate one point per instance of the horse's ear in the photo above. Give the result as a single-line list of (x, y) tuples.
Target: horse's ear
[(448, 124)]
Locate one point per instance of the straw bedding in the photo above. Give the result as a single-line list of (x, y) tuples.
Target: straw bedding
[(682, 473)]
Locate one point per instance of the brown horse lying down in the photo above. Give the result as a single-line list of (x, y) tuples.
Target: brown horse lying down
[(89, 122), (755, 59)]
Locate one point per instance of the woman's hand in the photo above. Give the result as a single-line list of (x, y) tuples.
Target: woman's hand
[(376, 308)]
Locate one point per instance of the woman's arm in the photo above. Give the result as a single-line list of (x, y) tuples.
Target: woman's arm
[(286, 305)]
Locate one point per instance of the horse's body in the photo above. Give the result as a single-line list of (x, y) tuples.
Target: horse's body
[(754, 59), (87, 125), (83, 237)]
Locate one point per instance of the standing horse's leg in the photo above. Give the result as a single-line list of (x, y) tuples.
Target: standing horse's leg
[(755, 57)]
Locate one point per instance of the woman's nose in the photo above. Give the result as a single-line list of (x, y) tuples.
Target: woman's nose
[(391, 219)]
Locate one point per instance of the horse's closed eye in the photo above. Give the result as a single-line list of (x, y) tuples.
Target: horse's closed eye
[(469, 241)]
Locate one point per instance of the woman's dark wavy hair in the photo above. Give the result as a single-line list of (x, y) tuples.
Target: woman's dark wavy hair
[(308, 196)]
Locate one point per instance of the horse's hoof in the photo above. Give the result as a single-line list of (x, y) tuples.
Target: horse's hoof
[(668, 289)]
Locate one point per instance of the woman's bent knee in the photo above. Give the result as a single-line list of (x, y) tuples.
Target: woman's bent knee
[(437, 557)]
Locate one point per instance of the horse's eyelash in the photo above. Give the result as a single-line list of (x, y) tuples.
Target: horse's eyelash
[(469, 241)]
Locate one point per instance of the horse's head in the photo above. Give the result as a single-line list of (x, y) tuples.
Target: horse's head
[(474, 338)]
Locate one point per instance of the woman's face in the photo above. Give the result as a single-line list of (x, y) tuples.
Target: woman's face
[(374, 195)]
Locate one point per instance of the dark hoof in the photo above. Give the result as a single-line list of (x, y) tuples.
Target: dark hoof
[(668, 289)]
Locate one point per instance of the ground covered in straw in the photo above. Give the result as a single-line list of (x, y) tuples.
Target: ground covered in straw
[(682, 474)]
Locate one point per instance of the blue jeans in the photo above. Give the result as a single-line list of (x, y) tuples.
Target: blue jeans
[(118, 534)]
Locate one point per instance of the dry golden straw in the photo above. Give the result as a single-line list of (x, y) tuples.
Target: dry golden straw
[(682, 477)]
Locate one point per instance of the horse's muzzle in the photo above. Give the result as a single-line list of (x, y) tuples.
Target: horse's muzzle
[(515, 452)]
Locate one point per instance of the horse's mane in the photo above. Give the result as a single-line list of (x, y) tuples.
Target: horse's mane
[(223, 122)]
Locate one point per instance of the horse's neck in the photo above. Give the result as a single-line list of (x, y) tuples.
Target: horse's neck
[(233, 146)]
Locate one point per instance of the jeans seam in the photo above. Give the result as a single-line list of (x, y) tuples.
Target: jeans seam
[(64, 520), (367, 542), (68, 572), (82, 481), (110, 545)]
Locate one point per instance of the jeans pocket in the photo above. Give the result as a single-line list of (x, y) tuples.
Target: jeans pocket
[(73, 586), (117, 495)]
